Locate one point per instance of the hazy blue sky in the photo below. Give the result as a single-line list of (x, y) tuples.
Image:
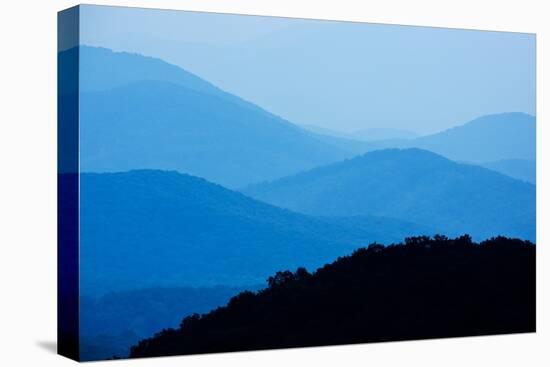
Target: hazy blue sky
[(338, 75)]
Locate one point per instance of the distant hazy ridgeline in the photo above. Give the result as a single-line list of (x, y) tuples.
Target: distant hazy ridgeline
[(485, 139), (505, 142), (139, 112)]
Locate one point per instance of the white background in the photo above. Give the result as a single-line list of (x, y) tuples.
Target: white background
[(28, 183)]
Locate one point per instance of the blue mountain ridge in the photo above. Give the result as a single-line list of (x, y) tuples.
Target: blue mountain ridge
[(521, 169), (501, 136), (415, 184), (509, 136), (155, 228), (140, 112)]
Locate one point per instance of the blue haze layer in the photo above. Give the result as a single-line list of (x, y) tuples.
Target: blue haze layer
[(339, 75)]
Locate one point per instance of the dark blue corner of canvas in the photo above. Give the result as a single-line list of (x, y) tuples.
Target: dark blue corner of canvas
[(67, 184)]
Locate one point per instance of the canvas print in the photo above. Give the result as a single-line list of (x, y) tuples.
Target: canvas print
[(233, 182)]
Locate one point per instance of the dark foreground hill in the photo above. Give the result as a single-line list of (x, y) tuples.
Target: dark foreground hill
[(414, 185), (146, 228), (424, 288)]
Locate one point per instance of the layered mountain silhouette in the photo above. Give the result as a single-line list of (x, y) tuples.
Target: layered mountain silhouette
[(103, 69), (139, 112), (485, 139), (154, 228), (415, 184), (424, 288), (159, 215), (505, 142)]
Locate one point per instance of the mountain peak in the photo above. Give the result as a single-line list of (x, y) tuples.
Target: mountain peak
[(500, 119), (103, 68), (141, 112), (416, 184), (399, 153), (509, 135)]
